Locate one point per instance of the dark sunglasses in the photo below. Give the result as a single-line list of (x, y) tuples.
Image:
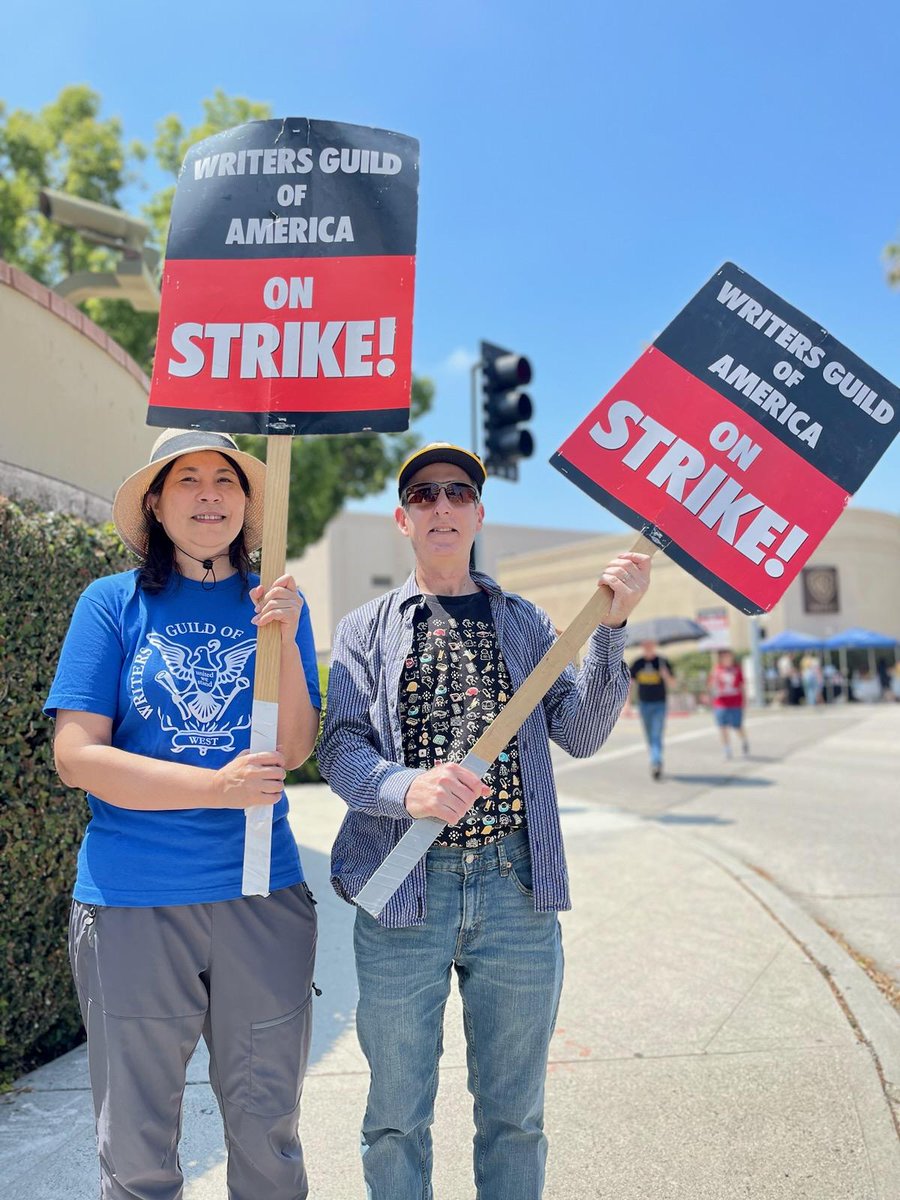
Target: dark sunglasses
[(429, 493)]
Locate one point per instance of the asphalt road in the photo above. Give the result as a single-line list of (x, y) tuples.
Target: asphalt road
[(794, 809)]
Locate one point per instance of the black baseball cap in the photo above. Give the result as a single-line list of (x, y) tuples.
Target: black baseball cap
[(442, 452)]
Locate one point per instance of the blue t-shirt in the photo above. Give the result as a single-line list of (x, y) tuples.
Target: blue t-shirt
[(174, 672)]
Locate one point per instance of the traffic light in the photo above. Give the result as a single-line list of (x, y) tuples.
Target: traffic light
[(506, 408)]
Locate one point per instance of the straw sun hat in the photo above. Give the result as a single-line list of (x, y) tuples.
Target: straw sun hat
[(128, 515)]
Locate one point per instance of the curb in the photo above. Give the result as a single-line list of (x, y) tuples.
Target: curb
[(875, 1020)]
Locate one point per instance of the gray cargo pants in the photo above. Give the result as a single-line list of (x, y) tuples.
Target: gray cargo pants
[(150, 981)]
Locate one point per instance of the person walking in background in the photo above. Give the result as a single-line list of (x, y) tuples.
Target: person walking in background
[(726, 690), (791, 682), (811, 677), (652, 676), (832, 683), (152, 700), (417, 675), (884, 679)]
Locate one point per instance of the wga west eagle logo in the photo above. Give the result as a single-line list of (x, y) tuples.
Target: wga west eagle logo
[(202, 685)]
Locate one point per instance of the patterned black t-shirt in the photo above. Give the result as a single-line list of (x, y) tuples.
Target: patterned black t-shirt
[(453, 685)]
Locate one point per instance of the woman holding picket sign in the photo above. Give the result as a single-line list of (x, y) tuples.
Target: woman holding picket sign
[(152, 700)]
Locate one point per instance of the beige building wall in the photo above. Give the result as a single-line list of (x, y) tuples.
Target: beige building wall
[(73, 403), (864, 546)]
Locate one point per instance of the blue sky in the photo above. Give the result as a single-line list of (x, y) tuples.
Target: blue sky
[(585, 167)]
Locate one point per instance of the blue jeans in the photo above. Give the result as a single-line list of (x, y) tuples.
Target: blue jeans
[(653, 715), (509, 964)]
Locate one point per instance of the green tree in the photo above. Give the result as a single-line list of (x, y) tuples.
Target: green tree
[(892, 258), (172, 142), (66, 146)]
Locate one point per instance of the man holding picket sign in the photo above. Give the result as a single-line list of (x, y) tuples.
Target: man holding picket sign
[(417, 677)]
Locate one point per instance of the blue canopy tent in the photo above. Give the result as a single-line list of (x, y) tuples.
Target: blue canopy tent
[(789, 642), (856, 638)]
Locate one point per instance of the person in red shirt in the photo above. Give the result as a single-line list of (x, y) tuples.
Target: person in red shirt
[(726, 689)]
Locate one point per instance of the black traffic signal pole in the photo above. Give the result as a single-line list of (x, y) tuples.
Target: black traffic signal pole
[(473, 374)]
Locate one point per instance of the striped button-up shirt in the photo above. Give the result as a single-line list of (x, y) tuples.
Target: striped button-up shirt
[(361, 749)]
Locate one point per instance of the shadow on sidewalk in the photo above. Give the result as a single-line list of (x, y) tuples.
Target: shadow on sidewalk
[(689, 819), (720, 780)]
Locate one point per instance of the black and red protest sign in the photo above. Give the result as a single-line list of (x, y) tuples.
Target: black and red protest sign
[(736, 440), (287, 295)]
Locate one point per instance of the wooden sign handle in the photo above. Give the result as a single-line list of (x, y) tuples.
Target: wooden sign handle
[(264, 715), (274, 553)]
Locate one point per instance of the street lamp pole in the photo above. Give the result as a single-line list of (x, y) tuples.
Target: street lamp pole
[(473, 375), (756, 664)]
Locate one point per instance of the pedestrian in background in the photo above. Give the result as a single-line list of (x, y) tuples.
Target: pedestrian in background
[(884, 679), (832, 683), (652, 676), (152, 701), (726, 690), (811, 677), (791, 681)]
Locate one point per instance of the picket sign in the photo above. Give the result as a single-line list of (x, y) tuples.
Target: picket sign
[(287, 301), (741, 433), (733, 443), (423, 831)]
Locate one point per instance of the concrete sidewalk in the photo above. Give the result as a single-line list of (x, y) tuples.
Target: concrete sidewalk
[(713, 1044)]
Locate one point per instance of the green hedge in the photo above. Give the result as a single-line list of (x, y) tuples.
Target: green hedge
[(48, 560), (309, 771), (692, 671)]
